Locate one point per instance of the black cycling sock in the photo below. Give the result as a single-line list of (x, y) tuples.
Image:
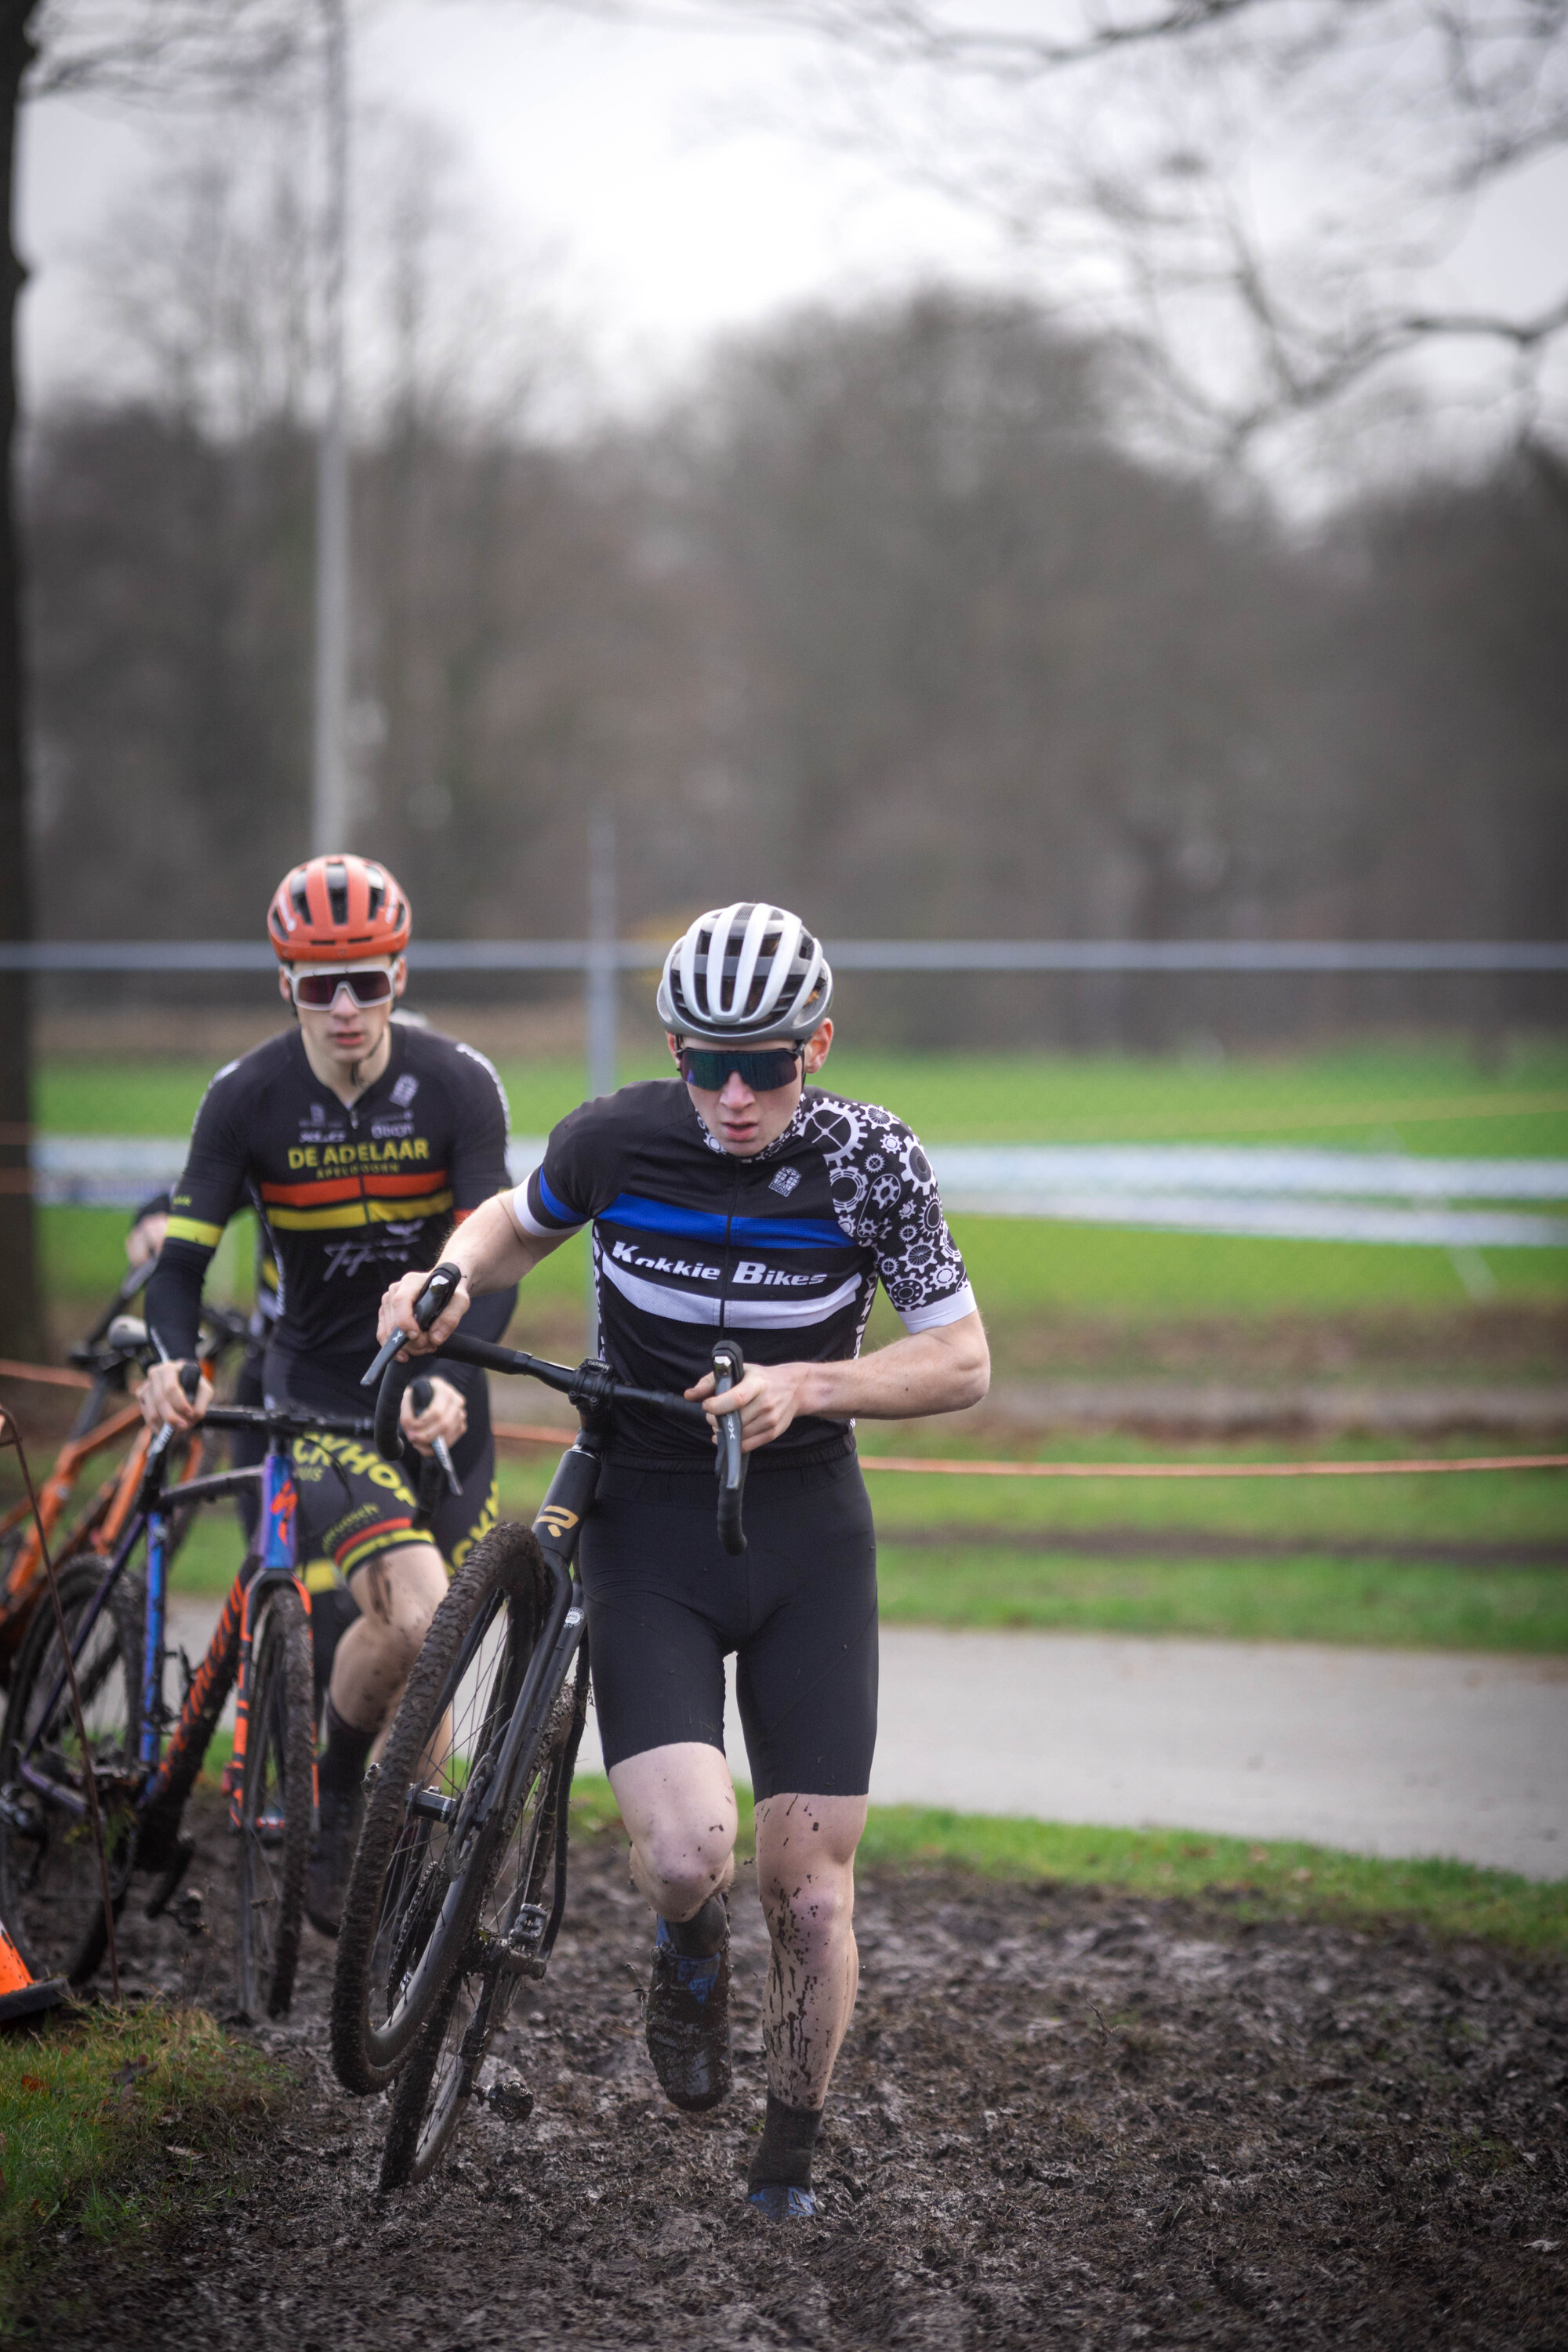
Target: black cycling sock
[(789, 2135), (698, 1938), (342, 1760)]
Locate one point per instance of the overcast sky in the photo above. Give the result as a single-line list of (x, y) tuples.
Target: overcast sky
[(643, 160)]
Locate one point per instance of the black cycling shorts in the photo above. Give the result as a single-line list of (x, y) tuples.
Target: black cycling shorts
[(352, 1504), (798, 1608)]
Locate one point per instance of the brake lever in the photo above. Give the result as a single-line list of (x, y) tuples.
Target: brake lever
[(443, 1453), (728, 1372)]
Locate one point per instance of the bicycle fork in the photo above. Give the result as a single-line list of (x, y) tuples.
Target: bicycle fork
[(558, 1527), (279, 1558)]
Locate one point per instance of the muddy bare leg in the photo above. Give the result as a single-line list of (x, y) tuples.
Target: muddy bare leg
[(398, 1593), (806, 1878)]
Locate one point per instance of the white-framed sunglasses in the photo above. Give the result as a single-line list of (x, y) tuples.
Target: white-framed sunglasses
[(316, 988)]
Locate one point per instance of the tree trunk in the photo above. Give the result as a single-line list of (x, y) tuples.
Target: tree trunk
[(21, 1319)]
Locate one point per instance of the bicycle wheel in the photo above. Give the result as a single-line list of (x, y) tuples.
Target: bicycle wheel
[(51, 1888), (431, 2093), (453, 1716), (275, 1806)]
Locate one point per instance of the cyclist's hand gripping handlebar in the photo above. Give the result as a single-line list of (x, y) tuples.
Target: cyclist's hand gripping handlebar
[(728, 1372), (395, 1376)]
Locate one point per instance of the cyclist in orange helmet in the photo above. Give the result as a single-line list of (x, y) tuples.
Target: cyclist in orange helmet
[(359, 1140)]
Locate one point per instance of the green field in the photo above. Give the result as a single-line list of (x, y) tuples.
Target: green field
[(1429, 1094), (1422, 1097)]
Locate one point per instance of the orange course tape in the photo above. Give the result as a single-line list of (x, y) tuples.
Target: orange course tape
[(520, 1432), (52, 1375), (1209, 1469)]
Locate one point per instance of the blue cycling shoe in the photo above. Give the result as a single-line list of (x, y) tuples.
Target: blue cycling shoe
[(688, 2022), (777, 2201)]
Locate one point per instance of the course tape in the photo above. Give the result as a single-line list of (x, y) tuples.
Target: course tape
[(51, 1375), (527, 1432), (520, 1432)]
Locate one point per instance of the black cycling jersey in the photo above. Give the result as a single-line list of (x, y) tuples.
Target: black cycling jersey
[(784, 1249), (347, 1200)]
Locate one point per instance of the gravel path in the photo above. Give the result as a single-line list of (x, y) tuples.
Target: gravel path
[(1382, 1751)]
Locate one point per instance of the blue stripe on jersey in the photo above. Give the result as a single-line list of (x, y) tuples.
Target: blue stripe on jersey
[(557, 1208), (700, 1225)]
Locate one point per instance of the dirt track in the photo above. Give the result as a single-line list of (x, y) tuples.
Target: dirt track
[(1062, 2119)]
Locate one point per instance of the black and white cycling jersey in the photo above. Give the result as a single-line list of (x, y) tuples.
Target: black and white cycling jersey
[(784, 1249)]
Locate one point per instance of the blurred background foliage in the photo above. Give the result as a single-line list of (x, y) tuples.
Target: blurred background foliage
[(888, 612)]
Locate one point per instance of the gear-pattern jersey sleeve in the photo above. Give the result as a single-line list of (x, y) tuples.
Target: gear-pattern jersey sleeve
[(885, 1197), (477, 1164), (579, 1176), (211, 1189)]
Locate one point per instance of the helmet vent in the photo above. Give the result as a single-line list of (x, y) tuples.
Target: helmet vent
[(338, 890), (299, 893)]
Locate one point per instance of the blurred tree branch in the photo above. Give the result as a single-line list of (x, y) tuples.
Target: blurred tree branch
[(1264, 194), (199, 50)]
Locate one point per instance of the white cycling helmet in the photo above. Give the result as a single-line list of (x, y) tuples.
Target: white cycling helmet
[(748, 974)]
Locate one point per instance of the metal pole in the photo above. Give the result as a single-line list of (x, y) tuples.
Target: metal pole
[(600, 994), (330, 796)]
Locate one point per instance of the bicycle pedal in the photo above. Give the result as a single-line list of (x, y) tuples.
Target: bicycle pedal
[(510, 2101), (168, 1887), (189, 1911)]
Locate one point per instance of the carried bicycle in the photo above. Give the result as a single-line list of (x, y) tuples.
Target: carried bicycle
[(102, 1420), (460, 1879), (143, 1758)]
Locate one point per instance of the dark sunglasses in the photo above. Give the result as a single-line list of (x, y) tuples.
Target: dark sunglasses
[(762, 1072), (318, 990)]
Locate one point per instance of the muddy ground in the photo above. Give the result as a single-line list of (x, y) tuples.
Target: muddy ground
[(1063, 2117)]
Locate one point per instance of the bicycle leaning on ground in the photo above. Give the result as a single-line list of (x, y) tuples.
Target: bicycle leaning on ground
[(459, 1880), (144, 1761), (102, 1420)]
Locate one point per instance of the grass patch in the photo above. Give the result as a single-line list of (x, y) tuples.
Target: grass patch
[(111, 2120), (1392, 1605), (1501, 1505), (1282, 1879)]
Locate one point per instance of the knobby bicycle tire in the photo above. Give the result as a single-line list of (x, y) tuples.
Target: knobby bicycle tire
[(276, 1806), (428, 2097), (382, 1997), (51, 1889), (432, 2090)]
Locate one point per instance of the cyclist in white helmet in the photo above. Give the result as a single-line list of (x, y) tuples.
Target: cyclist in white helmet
[(742, 1198)]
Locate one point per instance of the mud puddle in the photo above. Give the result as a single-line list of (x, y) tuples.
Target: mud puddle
[(1062, 2119)]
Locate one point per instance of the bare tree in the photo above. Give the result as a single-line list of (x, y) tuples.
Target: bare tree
[(125, 48), (1262, 195)]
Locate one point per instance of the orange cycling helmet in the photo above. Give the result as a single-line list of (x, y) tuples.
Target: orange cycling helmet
[(337, 910)]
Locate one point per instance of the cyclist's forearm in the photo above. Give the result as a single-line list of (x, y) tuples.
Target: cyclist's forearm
[(929, 1372), (173, 1298), (490, 1251)]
